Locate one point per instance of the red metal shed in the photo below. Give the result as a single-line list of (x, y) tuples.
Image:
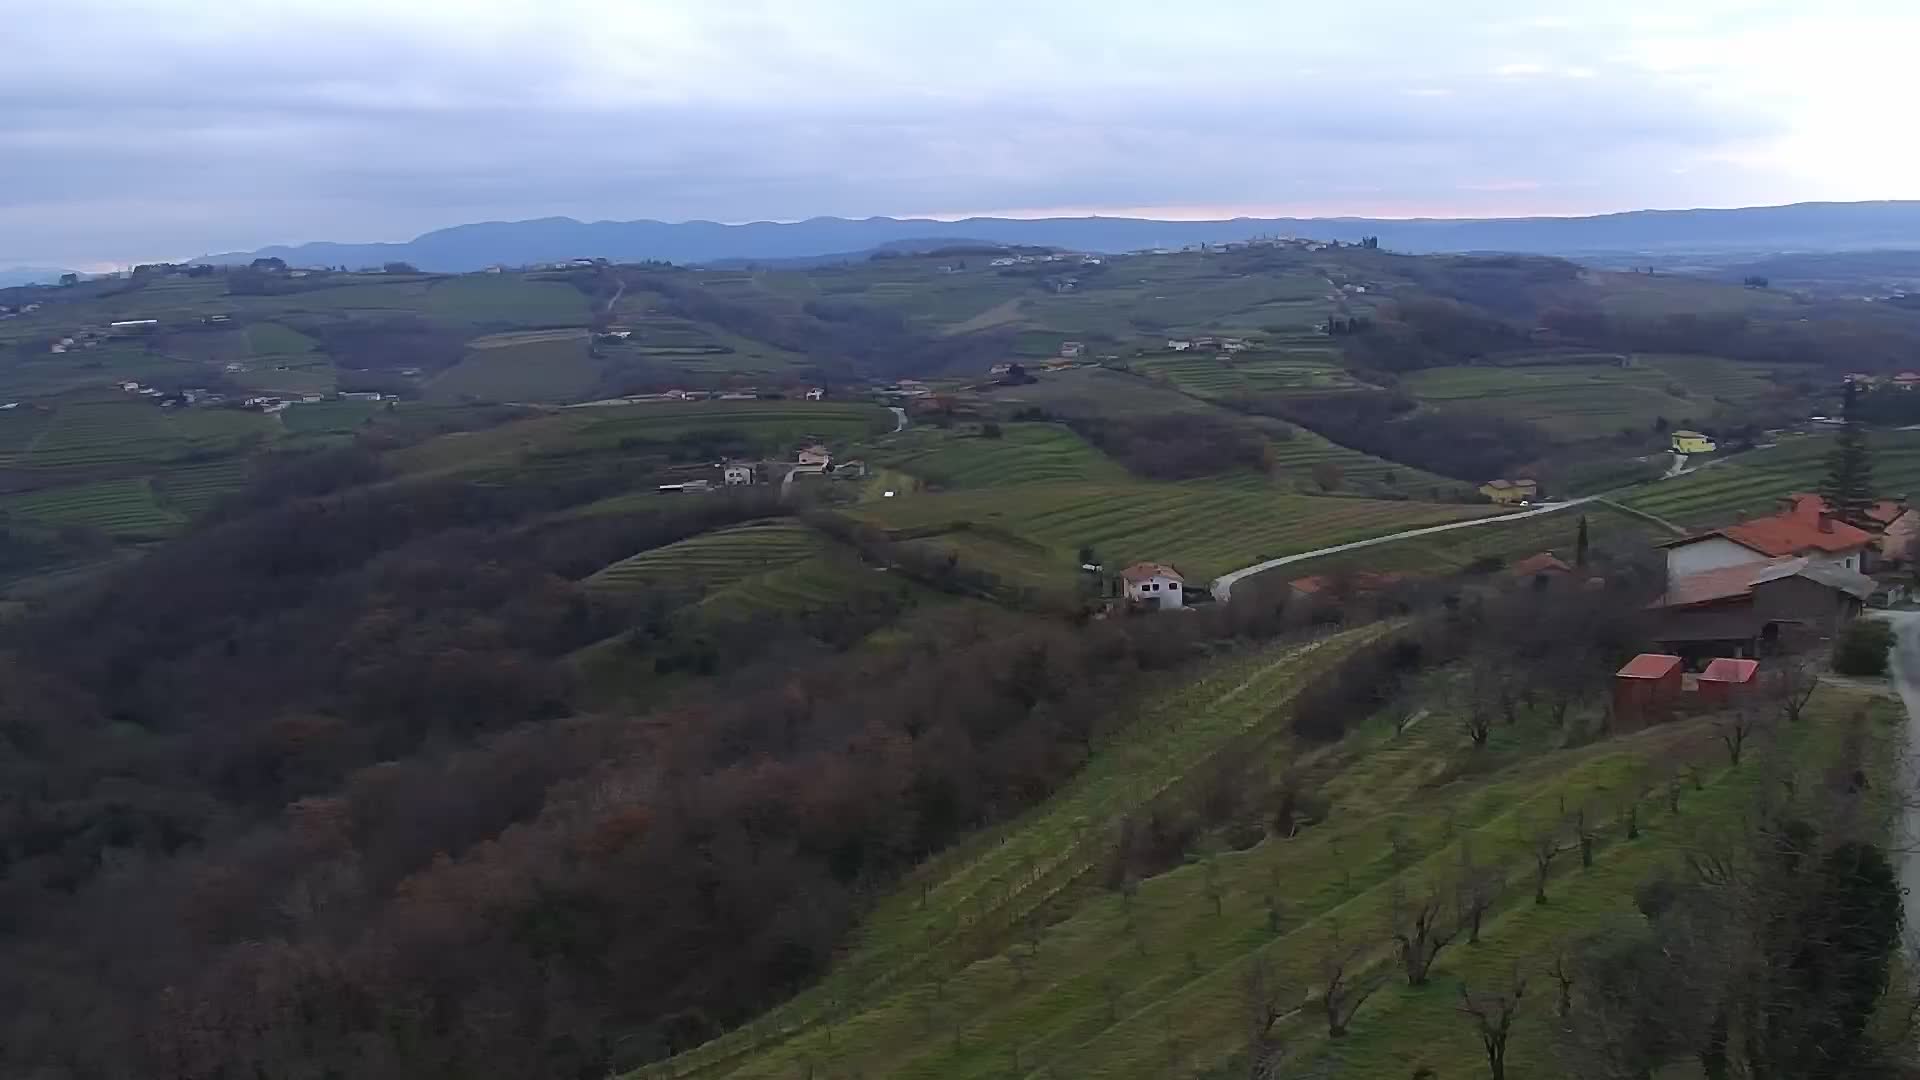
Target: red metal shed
[(1645, 691), (1726, 680)]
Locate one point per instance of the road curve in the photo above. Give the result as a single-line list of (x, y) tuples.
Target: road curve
[(899, 418), (1222, 586)]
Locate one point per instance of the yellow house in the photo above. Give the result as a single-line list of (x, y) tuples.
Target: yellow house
[(1510, 491), (1691, 442)]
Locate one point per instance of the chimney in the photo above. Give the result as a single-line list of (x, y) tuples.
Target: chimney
[(1826, 521)]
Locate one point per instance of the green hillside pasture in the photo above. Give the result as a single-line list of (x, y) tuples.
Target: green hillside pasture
[(1212, 375), (1092, 391), (310, 417), (961, 906), (713, 559), (1294, 459), (1024, 453), (1753, 482), (772, 426), (113, 432), (1729, 381), (105, 433), (1570, 401), (987, 953), (46, 374), (289, 375), (832, 580), (19, 427), (126, 508), (1651, 296), (1205, 531), (273, 339), (554, 369), (191, 489), (505, 299)]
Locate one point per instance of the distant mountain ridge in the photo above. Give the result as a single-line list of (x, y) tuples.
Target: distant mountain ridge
[(1797, 227)]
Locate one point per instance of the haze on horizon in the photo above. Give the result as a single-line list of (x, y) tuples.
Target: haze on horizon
[(160, 130)]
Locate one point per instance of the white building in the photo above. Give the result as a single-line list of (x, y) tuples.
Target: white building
[(816, 394), (1179, 346), (1152, 583), (735, 475), (1804, 529), (814, 455)]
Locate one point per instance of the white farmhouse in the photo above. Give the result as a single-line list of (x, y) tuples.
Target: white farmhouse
[(1155, 584), (736, 475), (814, 455)]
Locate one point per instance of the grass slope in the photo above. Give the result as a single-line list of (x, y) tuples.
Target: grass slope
[(1024, 453), (125, 508), (712, 559), (1752, 482), (1206, 530), (960, 974)]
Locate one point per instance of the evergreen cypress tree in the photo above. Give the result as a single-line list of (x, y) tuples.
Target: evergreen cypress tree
[(1580, 543), (1848, 488)]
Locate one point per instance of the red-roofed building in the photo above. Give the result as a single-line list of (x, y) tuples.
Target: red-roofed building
[(1544, 563), (1725, 681), (1804, 529), (1742, 610), (1154, 584), (1645, 691)]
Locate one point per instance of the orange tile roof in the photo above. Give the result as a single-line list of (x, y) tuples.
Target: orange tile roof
[(1543, 563), (1145, 571), (1649, 666), (1791, 532)]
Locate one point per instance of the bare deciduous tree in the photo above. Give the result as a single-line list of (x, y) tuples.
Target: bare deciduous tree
[(1735, 727), (1343, 988), (1476, 890), (1265, 1002), (1420, 930), (1493, 1015), (1790, 683), (1548, 843)]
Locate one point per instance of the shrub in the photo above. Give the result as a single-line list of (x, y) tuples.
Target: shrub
[(1862, 648)]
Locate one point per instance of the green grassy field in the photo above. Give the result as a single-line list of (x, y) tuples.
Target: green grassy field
[(1295, 457), (1570, 401), (272, 339), (1211, 375), (713, 559), (1753, 482), (1003, 958), (1204, 530), (191, 489), (125, 508), (1024, 453), (555, 369)]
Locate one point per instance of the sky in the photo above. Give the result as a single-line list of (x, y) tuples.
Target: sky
[(133, 130)]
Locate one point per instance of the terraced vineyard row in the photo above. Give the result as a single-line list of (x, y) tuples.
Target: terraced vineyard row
[(1300, 371), (1024, 453), (191, 489), (712, 559), (834, 579), (1205, 530), (1754, 481), (125, 508)]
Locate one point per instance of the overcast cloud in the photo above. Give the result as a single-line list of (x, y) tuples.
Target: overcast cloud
[(132, 131)]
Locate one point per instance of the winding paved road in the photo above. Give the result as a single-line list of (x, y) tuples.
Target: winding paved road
[(1223, 585)]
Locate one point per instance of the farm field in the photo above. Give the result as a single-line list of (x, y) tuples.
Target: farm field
[(1211, 375), (191, 489), (1202, 529), (712, 559), (125, 508), (1754, 481), (1294, 459), (273, 339), (1007, 947), (1024, 453), (834, 578), (1570, 401), (309, 417), (554, 369)]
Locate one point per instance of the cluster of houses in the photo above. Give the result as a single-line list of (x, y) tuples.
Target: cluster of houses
[(1225, 344), (14, 311), (1906, 380), (1052, 257), (811, 459)]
